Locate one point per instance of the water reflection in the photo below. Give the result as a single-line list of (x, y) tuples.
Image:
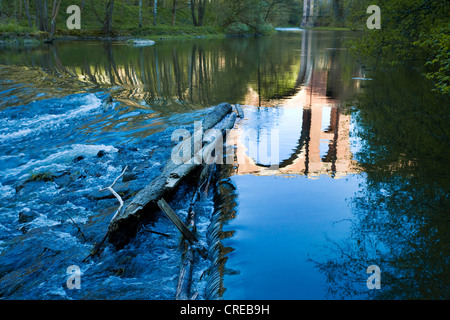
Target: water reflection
[(54, 121), (276, 220), (310, 118), (390, 209), (401, 212), (172, 77)]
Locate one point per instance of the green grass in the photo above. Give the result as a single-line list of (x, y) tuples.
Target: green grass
[(125, 22)]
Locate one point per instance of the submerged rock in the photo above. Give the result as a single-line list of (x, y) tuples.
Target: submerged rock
[(101, 153), (27, 216), (78, 159), (63, 180), (129, 175)]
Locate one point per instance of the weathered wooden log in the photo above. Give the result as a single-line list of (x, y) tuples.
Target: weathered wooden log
[(187, 265), (189, 249), (124, 225)]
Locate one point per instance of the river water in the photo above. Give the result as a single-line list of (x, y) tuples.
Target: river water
[(337, 168)]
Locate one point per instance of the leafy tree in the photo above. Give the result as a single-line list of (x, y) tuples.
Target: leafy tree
[(437, 44), (411, 30)]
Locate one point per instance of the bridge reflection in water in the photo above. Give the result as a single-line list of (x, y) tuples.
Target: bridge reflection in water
[(313, 114)]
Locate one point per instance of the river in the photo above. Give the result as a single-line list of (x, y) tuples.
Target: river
[(337, 168)]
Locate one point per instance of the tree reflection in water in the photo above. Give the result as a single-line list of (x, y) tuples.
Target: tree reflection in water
[(402, 212)]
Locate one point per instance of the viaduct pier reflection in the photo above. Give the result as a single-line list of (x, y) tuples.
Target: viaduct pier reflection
[(313, 109)]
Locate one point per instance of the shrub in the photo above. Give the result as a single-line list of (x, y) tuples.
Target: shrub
[(238, 28)]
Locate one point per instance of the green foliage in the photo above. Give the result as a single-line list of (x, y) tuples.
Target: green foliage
[(11, 25), (257, 15), (248, 17), (438, 42), (238, 28), (410, 30)]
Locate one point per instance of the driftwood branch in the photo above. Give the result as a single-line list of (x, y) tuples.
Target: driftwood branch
[(187, 263), (189, 249), (110, 188), (155, 232), (177, 221)]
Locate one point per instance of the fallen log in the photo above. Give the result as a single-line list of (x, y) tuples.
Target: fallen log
[(124, 225), (189, 249), (187, 263)]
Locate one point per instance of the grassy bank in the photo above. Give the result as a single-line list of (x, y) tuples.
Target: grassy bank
[(125, 25), (17, 27)]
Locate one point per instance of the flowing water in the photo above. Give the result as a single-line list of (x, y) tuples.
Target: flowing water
[(337, 168)]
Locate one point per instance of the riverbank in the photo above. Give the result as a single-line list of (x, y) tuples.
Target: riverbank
[(150, 33), (160, 33)]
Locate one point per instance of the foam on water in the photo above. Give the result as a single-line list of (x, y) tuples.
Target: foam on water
[(13, 129), (6, 192), (58, 160)]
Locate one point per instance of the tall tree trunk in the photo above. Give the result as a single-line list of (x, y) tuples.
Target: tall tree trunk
[(27, 11), (194, 17), (338, 10), (107, 22), (19, 16), (41, 15), (55, 10), (108, 19), (155, 12), (38, 14), (140, 13), (174, 11), (201, 12), (44, 16), (198, 12)]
